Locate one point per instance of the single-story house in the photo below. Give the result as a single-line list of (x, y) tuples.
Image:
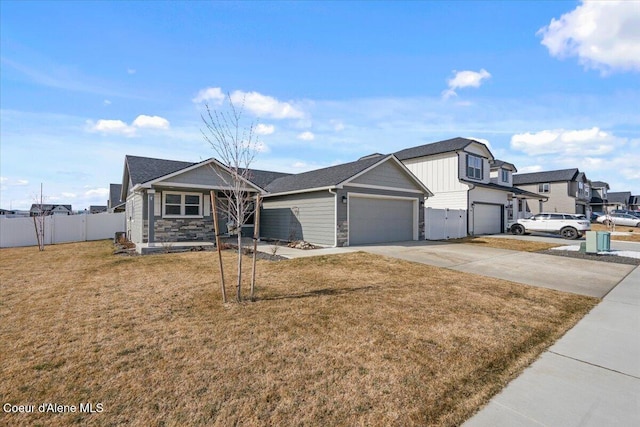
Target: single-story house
[(169, 201), (372, 200), (50, 209), (96, 209)]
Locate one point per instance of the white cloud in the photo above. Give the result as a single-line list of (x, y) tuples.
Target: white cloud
[(68, 195), (464, 79), (262, 129), (131, 71), (151, 122), (306, 136), (210, 94), (300, 165), (586, 142), (110, 126), (10, 182), (528, 169), (604, 35), (102, 192), (337, 125), (122, 128), (106, 102), (266, 106)]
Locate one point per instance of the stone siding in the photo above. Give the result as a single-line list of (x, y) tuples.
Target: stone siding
[(342, 234), (183, 230)]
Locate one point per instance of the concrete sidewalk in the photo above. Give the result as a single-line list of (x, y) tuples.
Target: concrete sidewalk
[(590, 377)]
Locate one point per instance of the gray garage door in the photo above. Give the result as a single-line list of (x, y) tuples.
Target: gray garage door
[(487, 219), (379, 220)]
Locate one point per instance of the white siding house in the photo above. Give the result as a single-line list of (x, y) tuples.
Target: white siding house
[(463, 175)]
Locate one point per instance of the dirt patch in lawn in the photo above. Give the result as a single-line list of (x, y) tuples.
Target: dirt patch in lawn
[(512, 244), (354, 339)]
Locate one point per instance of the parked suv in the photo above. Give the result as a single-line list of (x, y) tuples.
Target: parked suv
[(569, 226)]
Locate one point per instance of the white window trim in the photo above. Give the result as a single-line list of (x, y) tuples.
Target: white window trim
[(504, 173), (182, 204), (542, 185)]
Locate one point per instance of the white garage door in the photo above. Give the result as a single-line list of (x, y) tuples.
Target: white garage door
[(487, 219), (376, 220)]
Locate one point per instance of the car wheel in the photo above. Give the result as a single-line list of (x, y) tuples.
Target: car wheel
[(569, 233), (517, 229), (606, 222)]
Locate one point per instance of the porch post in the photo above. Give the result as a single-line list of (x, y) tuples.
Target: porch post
[(151, 194)]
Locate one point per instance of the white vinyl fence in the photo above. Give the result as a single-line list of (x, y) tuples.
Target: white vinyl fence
[(61, 229), (441, 224)]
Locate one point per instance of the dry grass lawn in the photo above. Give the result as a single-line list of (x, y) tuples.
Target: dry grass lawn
[(512, 244), (634, 237), (353, 339)]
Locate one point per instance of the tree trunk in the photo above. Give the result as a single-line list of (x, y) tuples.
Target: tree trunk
[(238, 286), (256, 236), (216, 229)]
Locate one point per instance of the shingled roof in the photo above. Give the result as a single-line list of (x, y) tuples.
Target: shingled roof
[(326, 177), (599, 184), (143, 169), (263, 178), (115, 191), (619, 196), (547, 176), (502, 164), (439, 147)]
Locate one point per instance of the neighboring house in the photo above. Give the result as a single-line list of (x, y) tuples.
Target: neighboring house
[(619, 200), (634, 203), (567, 190), (462, 174), (372, 200), (115, 204), (169, 201), (95, 209), (599, 196), (49, 209)]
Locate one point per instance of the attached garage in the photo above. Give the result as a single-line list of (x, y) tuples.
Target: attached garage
[(379, 219), (487, 219), (375, 199)]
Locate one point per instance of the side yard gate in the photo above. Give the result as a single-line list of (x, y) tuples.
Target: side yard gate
[(61, 229), (441, 224)]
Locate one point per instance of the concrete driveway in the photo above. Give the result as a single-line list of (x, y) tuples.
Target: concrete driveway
[(584, 277)]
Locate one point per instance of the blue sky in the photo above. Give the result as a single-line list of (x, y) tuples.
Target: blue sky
[(548, 85)]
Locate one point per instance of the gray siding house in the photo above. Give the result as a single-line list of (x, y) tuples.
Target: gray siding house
[(372, 200), (169, 201), (567, 190)]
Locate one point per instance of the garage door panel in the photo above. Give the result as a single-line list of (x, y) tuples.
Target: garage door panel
[(487, 219), (377, 220)]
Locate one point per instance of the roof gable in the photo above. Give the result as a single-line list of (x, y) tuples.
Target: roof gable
[(145, 169), (446, 146), (335, 176)]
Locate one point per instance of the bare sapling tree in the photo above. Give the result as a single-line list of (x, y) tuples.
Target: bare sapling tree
[(39, 220), (236, 145)]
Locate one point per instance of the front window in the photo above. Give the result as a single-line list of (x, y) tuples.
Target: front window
[(181, 204), (474, 167), (544, 188), (504, 175)]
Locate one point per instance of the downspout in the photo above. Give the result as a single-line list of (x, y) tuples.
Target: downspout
[(335, 217), (469, 207)]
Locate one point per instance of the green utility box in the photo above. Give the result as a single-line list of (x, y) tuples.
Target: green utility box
[(591, 246), (603, 241)]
